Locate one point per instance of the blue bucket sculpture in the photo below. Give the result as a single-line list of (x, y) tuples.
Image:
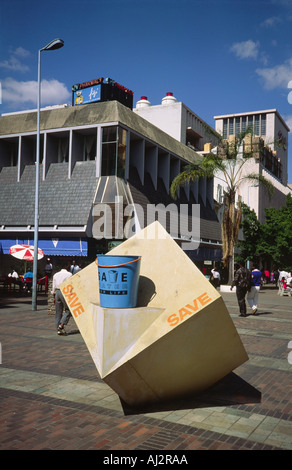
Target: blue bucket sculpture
[(118, 277)]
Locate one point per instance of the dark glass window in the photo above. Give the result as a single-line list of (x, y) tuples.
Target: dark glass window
[(113, 151), (237, 126), (263, 124), (225, 128), (109, 134), (257, 125), (90, 147), (231, 127), (109, 159), (121, 152)]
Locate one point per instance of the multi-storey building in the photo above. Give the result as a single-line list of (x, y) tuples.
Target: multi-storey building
[(94, 157), (175, 118), (269, 147)]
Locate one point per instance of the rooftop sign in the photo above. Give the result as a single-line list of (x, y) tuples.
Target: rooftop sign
[(101, 89)]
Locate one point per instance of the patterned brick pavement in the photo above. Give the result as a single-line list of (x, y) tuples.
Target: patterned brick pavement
[(52, 396)]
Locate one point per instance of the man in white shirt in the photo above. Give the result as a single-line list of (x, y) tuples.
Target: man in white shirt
[(59, 301), (14, 274), (216, 277)]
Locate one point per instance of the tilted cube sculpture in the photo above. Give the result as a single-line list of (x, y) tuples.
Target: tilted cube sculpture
[(179, 339)]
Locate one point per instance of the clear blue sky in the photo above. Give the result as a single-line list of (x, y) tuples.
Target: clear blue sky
[(216, 56)]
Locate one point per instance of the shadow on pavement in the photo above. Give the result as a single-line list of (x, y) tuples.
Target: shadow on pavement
[(258, 314), (231, 390), (73, 332), (10, 299)]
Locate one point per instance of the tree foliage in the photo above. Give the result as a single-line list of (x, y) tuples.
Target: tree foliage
[(271, 242), (251, 229), (227, 165), (275, 242)]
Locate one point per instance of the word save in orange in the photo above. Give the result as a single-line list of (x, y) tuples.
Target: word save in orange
[(72, 300), (189, 309)]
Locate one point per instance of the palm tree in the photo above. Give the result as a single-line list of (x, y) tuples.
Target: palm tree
[(227, 165)]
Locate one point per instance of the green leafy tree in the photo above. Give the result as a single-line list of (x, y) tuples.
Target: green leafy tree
[(252, 233), (227, 165), (275, 242)]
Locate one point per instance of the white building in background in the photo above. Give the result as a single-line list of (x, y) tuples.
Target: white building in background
[(177, 120), (268, 127), (270, 159)]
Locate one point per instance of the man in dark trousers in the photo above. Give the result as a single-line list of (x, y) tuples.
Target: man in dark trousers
[(61, 318), (242, 281)]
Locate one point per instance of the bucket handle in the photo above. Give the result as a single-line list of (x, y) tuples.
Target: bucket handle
[(117, 265)]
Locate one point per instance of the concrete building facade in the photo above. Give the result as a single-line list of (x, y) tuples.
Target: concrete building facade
[(94, 156), (269, 143), (268, 128), (105, 156), (175, 118)]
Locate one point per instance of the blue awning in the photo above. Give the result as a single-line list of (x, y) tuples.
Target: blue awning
[(51, 246), (6, 243), (64, 246)]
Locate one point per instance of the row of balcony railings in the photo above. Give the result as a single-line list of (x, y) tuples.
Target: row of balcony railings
[(254, 147)]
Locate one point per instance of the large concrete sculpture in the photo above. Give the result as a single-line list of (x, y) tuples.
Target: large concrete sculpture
[(179, 339)]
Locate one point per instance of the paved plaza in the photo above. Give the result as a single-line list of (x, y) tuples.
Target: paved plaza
[(53, 398)]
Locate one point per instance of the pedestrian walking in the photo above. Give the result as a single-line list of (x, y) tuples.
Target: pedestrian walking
[(242, 281), (61, 319), (215, 277), (253, 294)]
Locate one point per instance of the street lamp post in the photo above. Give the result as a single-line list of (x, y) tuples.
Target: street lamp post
[(55, 44)]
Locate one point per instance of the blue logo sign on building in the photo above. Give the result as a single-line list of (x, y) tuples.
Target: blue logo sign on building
[(87, 95)]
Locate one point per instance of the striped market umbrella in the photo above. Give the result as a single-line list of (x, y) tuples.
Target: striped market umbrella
[(25, 252)]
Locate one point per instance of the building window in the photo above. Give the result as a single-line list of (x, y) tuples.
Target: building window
[(254, 123), (9, 152), (113, 151), (121, 163), (250, 123), (237, 126), (257, 125), (63, 149), (263, 124), (89, 147), (231, 127), (225, 121)]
